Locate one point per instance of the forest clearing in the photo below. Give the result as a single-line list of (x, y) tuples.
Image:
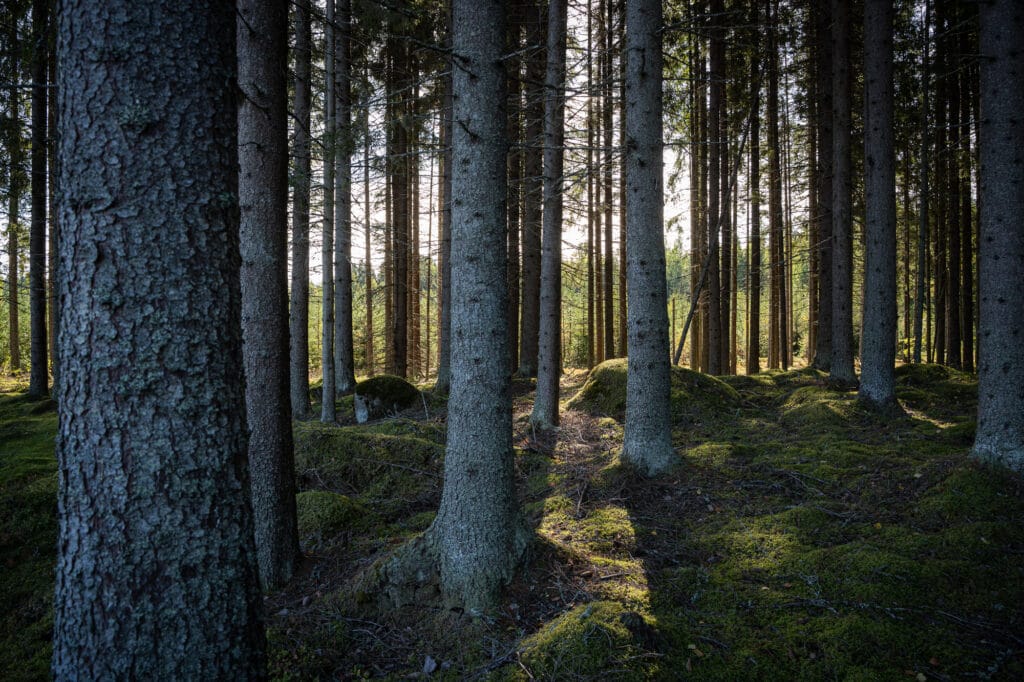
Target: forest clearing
[(799, 537)]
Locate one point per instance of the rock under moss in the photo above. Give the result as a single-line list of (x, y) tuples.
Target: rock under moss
[(693, 394), (382, 395), (585, 641), (322, 512)]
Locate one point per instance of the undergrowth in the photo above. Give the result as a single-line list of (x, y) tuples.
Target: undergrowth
[(801, 537)]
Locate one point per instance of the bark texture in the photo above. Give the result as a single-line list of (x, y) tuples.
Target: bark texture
[(156, 572), (263, 200), (878, 343), (1000, 436), (475, 529), (327, 406), (299, 315), (647, 443), (344, 355), (823, 76), (841, 368), (549, 356), (39, 376)]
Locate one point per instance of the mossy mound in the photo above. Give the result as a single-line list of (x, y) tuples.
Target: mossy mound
[(322, 512), (584, 643), (817, 407), (692, 393), (393, 475), (921, 374), (382, 395)]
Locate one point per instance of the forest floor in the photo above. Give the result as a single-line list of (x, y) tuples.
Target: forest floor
[(799, 537)]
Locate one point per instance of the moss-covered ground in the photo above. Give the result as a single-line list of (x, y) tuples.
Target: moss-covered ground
[(800, 537)]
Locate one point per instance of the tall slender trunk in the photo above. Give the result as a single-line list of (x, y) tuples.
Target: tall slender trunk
[(299, 306), (549, 366), (515, 179), (922, 231), (966, 224), (344, 354), (327, 406), (823, 82), (754, 291), (53, 232), (15, 154), (368, 254), (842, 218), (39, 377), (776, 234), (607, 165), (717, 86), (445, 227)]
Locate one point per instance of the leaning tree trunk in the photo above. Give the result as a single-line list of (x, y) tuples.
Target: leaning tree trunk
[(878, 344), (647, 443), (549, 356), (263, 199), (344, 355), (841, 369), (1000, 436), (299, 308), (156, 571), (38, 379)]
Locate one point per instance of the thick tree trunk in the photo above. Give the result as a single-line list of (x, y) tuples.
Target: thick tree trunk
[(39, 377), (549, 366), (299, 306), (263, 198), (878, 354), (1000, 435), (156, 572), (841, 369), (344, 355), (475, 526), (647, 442)]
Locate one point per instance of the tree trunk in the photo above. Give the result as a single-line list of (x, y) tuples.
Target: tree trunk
[(263, 198), (515, 178), (715, 181), (400, 200), (344, 355), (966, 222), (841, 369), (878, 354), (15, 153), (327, 406), (647, 442), (1000, 435), (823, 76), (754, 292), (299, 308), (443, 382), (53, 231), (608, 129), (156, 572), (475, 525), (532, 193), (776, 234), (39, 377), (368, 253), (549, 366), (922, 231)]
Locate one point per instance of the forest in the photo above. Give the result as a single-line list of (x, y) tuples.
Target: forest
[(530, 340)]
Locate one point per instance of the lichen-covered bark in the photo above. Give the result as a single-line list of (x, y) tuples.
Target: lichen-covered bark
[(299, 315), (475, 529), (878, 345), (647, 442), (263, 199), (156, 572), (841, 367), (1000, 435), (549, 355)]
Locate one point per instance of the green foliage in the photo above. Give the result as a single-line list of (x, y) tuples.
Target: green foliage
[(322, 512)]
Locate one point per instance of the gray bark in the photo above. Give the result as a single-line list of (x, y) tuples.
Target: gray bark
[(263, 200), (445, 303), (53, 229), (475, 528), (1000, 435), (647, 443), (39, 376), (549, 357), (327, 406), (156, 571), (299, 316), (823, 72), (878, 344), (841, 369), (344, 356), (532, 195)]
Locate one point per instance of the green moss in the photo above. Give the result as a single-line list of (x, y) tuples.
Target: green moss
[(324, 513), (693, 395), (921, 374), (390, 474), (390, 389), (28, 535), (585, 641)]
